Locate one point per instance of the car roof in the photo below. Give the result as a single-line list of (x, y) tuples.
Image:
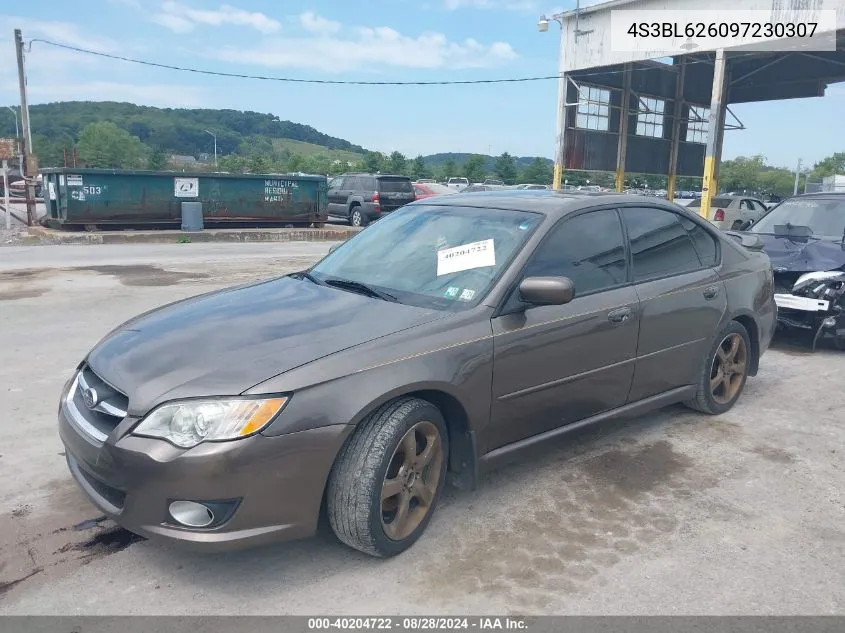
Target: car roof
[(545, 201), (364, 173)]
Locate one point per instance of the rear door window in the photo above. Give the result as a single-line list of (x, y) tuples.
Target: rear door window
[(660, 246)]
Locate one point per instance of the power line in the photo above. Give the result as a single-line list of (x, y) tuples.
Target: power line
[(216, 73)]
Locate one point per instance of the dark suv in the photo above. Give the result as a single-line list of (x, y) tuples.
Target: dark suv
[(362, 198)]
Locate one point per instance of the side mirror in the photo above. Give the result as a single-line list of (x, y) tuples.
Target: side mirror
[(333, 248), (547, 290)]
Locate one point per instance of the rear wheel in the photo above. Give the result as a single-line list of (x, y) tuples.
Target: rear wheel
[(356, 217), (388, 478), (724, 371)]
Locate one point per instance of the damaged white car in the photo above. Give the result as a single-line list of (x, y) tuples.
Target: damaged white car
[(804, 237)]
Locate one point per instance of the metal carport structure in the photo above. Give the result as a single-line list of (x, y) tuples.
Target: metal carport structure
[(643, 112)]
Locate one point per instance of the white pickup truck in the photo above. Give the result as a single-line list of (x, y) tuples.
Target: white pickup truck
[(457, 183)]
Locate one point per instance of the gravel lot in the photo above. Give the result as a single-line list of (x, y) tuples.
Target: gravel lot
[(666, 514)]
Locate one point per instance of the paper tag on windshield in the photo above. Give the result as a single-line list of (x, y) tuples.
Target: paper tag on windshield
[(466, 257)]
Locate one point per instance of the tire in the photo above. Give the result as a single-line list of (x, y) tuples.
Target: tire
[(373, 456), (357, 217), (715, 400)]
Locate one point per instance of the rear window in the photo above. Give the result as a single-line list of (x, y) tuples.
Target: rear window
[(395, 185), (715, 202)]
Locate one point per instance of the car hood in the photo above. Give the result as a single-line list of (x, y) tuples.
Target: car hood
[(223, 343), (802, 255)]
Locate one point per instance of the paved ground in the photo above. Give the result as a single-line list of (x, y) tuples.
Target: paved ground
[(670, 513)]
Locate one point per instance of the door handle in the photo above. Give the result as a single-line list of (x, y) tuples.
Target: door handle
[(711, 292), (618, 317)]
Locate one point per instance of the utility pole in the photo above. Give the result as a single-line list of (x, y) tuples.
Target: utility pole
[(797, 174), (28, 163), (215, 146)]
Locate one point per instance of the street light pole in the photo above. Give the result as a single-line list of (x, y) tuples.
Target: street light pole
[(560, 126), (214, 136), (797, 174), (15, 112)]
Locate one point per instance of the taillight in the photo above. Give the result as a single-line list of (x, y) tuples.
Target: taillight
[(719, 216), (376, 199)]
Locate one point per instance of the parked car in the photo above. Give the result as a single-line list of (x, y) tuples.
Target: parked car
[(448, 336), (424, 181), (457, 183), (493, 181), (479, 187), (362, 198), (803, 236), (531, 186), (426, 190), (731, 212)]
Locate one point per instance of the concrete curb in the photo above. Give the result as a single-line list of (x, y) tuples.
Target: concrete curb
[(337, 234)]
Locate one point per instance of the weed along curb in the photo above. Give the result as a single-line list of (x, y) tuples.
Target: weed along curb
[(338, 234)]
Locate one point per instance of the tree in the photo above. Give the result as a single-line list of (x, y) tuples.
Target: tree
[(157, 160), (397, 163), (419, 169), (830, 166), (741, 174), (448, 169), (372, 162), (474, 168), (105, 145), (257, 164), (233, 164), (539, 172), (505, 169)]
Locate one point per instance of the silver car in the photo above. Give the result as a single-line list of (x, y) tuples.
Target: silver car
[(731, 212)]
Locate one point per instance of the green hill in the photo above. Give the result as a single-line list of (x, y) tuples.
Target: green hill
[(437, 160), (56, 126)]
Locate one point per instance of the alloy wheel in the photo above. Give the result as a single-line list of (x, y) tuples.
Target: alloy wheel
[(728, 370), (411, 481)]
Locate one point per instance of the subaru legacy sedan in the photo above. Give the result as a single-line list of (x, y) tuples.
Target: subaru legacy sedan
[(454, 333)]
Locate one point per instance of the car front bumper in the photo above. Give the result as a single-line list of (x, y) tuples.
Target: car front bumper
[(266, 489)]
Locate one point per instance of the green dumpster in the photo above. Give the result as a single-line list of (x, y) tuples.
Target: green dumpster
[(84, 197)]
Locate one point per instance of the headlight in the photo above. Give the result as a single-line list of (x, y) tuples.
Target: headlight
[(191, 422)]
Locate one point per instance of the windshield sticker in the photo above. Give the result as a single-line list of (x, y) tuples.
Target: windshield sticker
[(452, 292), (524, 226), (466, 257), (467, 295)]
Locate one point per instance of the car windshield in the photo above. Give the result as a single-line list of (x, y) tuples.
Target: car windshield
[(825, 217), (441, 257)]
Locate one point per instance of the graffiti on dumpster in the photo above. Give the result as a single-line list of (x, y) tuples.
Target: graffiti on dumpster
[(278, 190)]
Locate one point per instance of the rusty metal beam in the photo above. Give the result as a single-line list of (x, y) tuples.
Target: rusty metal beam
[(676, 128), (624, 116)]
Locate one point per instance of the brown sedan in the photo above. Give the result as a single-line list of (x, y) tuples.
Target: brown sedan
[(446, 336)]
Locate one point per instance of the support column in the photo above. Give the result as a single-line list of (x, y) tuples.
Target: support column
[(624, 116), (676, 127), (560, 132), (715, 130)]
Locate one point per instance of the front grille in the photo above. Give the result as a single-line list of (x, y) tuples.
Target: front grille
[(109, 406)]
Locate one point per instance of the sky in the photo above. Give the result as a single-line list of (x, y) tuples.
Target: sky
[(371, 40)]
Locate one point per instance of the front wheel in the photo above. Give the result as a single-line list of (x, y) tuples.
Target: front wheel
[(724, 371), (388, 478)]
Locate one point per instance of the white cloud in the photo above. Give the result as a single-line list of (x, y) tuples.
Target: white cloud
[(362, 47), (180, 18), (166, 95), (522, 6), (314, 23)]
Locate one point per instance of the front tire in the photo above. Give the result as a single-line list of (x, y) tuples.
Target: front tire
[(387, 480), (724, 371)]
